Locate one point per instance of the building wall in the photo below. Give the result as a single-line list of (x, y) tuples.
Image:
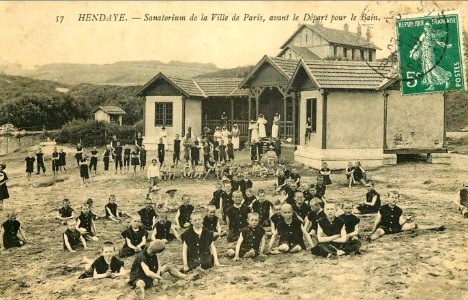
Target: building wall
[(152, 133), (315, 138), (100, 115), (289, 54), (355, 120), (415, 122), (193, 116)]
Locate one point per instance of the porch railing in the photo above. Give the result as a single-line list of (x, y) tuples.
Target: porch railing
[(243, 126)]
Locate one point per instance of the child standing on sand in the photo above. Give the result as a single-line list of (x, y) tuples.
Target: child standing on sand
[(29, 162)]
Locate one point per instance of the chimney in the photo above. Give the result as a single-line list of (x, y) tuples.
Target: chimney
[(299, 25), (368, 34), (359, 30), (346, 27)]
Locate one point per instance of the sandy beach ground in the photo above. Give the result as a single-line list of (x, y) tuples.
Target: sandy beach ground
[(409, 265)]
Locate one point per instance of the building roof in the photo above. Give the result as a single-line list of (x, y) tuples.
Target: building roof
[(110, 110), (204, 87), (221, 87), (303, 52), (284, 66), (335, 36), (327, 74)]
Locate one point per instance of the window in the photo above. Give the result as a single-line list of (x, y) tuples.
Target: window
[(362, 55), (114, 119), (345, 53), (312, 114), (163, 114), (306, 39)]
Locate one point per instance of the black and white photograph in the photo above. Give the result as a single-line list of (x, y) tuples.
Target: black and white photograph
[(233, 150)]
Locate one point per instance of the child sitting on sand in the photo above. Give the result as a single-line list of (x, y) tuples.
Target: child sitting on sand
[(331, 234), (301, 209), (291, 232), (372, 204), (72, 238), (112, 210), (146, 268), (461, 200), (163, 229), (182, 217), (351, 221), (65, 212), (198, 249), (236, 217), (325, 172), (188, 170), (276, 216), (105, 266), (85, 224), (349, 173), (359, 174), (11, 228), (135, 238), (148, 215), (390, 219), (199, 171), (251, 242), (263, 207), (211, 223)]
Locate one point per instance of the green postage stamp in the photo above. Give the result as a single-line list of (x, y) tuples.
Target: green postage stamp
[(430, 53)]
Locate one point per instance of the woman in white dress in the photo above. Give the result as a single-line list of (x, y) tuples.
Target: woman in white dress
[(275, 126), (235, 136), (217, 135), (225, 135), (261, 126), (254, 131)]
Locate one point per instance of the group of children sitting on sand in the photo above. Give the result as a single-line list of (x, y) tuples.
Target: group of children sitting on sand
[(303, 214)]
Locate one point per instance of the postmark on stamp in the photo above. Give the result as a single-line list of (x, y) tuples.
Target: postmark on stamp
[(430, 53)]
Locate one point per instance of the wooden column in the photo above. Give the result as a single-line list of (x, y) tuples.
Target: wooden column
[(293, 99), (285, 105), (232, 112), (324, 118), (257, 104), (144, 117), (250, 118), (385, 96)]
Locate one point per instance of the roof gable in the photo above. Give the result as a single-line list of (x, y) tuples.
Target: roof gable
[(334, 36), (303, 52), (284, 67), (198, 88), (342, 75), (186, 86), (110, 110)]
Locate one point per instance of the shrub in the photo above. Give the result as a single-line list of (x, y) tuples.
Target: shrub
[(92, 133)]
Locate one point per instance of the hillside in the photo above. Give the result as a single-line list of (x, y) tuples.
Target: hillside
[(238, 72), (119, 73), (30, 103)]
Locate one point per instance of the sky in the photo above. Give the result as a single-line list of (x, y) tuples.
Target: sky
[(32, 36)]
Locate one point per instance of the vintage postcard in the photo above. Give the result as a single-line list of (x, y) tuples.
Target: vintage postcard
[(233, 150)]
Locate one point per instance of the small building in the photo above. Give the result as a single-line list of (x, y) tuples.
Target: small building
[(357, 112), (313, 41), (177, 103), (109, 114)]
